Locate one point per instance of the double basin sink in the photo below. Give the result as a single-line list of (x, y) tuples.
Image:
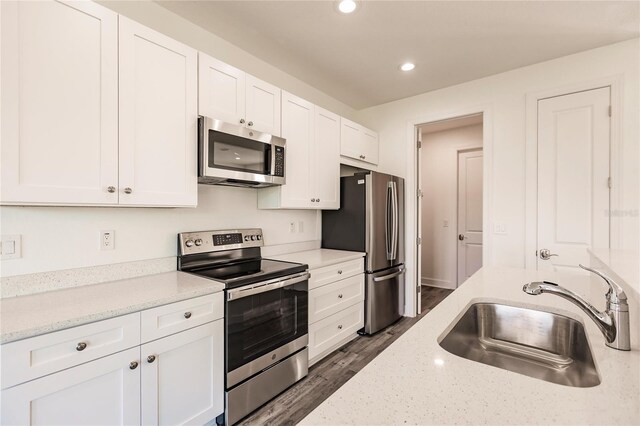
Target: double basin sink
[(535, 343)]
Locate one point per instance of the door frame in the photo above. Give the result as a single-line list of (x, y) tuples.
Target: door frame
[(411, 189), (615, 83), (458, 152)]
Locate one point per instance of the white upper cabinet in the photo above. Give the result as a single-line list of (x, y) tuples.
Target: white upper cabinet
[(229, 94), (59, 85), (158, 118), (96, 109), (325, 160), (312, 159), (358, 142)]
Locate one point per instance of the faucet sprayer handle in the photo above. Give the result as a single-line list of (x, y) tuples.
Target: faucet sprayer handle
[(615, 293)]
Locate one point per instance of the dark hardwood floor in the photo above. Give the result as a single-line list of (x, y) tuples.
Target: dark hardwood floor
[(336, 369)]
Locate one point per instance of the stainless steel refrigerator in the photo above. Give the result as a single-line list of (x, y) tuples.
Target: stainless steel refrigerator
[(371, 220)]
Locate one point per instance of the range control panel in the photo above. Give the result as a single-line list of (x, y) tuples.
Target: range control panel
[(207, 241)]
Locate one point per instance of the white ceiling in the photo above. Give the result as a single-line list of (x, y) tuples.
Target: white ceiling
[(355, 58)]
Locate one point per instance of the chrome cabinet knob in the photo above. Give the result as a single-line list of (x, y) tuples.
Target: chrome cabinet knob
[(340, 327), (317, 200), (242, 121), (81, 346), (340, 271), (250, 123), (187, 315), (461, 237), (133, 365), (111, 189), (151, 358), (128, 190), (545, 254), (313, 200), (340, 296)]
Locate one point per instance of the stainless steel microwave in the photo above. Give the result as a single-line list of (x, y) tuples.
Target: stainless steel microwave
[(233, 155)]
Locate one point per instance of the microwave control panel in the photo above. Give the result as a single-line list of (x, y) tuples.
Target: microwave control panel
[(279, 161)]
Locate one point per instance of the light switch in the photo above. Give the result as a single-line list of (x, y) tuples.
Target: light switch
[(445, 223), (499, 228), (11, 246)]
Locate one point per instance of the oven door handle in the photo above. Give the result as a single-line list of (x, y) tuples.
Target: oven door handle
[(239, 293)]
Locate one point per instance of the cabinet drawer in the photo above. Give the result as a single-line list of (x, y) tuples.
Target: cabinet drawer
[(175, 317), (38, 356), (330, 331), (332, 298), (332, 273)]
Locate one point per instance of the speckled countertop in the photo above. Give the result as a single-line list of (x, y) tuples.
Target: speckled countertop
[(319, 257), (27, 316), (415, 381)]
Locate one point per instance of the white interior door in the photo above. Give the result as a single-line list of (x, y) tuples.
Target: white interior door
[(469, 213), (573, 177)]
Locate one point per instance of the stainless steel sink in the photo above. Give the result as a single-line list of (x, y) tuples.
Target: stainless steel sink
[(535, 343)]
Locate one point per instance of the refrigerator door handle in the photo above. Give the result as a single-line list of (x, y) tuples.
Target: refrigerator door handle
[(388, 239), (392, 275), (394, 246)]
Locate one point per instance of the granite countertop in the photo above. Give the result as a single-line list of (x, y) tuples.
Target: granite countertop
[(28, 316), (319, 257), (415, 381)]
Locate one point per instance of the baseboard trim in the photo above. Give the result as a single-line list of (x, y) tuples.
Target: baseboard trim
[(434, 282)]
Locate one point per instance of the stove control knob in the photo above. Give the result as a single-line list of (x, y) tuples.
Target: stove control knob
[(246, 238), (199, 242), (253, 238), (258, 237), (189, 243)]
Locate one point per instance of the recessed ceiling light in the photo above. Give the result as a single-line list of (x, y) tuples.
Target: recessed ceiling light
[(347, 6), (408, 66)]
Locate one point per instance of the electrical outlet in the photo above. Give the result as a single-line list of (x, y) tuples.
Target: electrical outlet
[(301, 226), (107, 240), (11, 247), (292, 227)]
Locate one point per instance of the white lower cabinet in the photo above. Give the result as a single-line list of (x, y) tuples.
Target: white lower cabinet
[(91, 376), (182, 377), (101, 392), (336, 308)]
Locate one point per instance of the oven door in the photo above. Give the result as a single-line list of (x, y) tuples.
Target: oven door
[(265, 323), (231, 153)]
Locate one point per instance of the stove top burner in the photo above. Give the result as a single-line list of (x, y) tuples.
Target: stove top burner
[(250, 271)]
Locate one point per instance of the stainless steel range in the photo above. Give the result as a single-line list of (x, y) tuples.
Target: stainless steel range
[(266, 308)]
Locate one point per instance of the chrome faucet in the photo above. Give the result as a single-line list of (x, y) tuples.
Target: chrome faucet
[(613, 322)]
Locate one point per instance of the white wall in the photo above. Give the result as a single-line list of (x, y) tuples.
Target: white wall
[(55, 238), (439, 176), (504, 95)]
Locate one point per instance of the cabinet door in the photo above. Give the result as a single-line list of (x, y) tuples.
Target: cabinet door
[(221, 90), (158, 118), (298, 130), (325, 163), (101, 392), (59, 102), (369, 146), (263, 106), (350, 139), (183, 377)]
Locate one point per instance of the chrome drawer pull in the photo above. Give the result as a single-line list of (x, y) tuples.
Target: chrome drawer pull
[(340, 327), (187, 315), (81, 346), (151, 358), (339, 271), (340, 296), (133, 365)]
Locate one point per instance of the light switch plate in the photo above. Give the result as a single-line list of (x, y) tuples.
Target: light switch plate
[(11, 247)]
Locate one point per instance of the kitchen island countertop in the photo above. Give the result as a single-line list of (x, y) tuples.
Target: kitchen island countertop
[(415, 381)]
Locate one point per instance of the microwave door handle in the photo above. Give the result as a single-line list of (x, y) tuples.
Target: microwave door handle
[(251, 290)]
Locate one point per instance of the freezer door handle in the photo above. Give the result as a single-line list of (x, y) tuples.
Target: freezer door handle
[(391, 275), (388, 216), (395, 223)]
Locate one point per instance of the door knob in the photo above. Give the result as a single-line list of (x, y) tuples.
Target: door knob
[(461, 237), (545, 254)]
